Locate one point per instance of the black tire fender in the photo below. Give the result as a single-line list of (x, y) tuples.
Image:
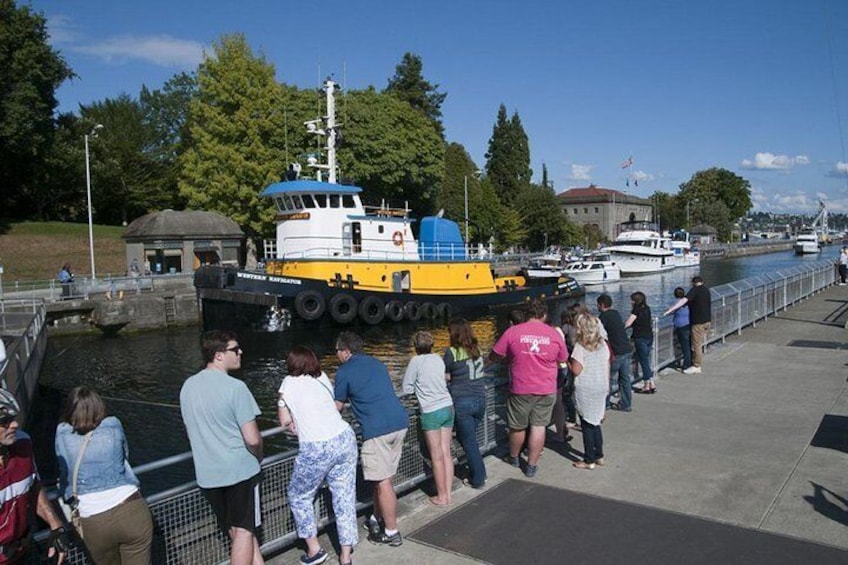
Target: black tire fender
[(343, 308), (372, 310), (428, 310), (310, 304), (444, 310), (394, 310), (412, 310)]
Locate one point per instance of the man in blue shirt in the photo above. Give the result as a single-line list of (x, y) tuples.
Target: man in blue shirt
[(364, 382)]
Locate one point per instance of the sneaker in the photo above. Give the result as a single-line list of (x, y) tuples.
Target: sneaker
[(514, 461), (385, 539), (693, 370), (375, 528), (319, 557), (530, 471)]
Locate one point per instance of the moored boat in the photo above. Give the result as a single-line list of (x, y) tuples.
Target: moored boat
[(684, 254), (807, 242), (338, 261), (640, 249), (594, 268)]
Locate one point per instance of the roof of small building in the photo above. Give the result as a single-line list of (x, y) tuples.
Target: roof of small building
[(183, 224), (703, 229)]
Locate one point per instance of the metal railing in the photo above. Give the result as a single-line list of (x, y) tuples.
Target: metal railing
[(745, 303), (22, 321), (51, 290), (186, 531)]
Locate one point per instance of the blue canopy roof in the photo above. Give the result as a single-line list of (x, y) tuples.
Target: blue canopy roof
[(311, 186)]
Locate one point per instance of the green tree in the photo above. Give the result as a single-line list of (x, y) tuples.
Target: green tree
[(125, 176), (508, 157), (409, 85), (31, 71), (392, 151), (234, 124), (459, 170), (543, 217), (165, 114), (721, 185)]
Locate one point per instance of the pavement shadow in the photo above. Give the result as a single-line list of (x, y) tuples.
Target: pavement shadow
[(822, 504)]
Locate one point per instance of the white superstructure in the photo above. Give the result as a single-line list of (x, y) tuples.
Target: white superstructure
[(640, 249), (594, 268)]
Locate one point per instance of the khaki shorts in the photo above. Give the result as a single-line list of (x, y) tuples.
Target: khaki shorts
[(381, 455), (524, 410)]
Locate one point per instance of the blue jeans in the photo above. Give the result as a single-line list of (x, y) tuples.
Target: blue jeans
[(470, 411), (643, 356), (621, 380), (593, 441), (684, 337)]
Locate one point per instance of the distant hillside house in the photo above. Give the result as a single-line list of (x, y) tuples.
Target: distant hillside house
[(180, 242), (603, 208)]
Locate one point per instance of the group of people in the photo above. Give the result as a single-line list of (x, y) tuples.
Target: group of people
[(580, 368), (94, 478)]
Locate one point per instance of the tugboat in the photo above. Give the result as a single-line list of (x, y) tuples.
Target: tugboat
[(337, 261)]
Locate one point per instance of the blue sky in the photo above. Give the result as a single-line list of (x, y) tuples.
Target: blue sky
[(759, 87)]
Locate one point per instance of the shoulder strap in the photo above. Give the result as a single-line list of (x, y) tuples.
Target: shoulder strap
[(79, 460)]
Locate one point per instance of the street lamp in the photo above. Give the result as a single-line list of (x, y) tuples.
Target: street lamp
[(88, 192)]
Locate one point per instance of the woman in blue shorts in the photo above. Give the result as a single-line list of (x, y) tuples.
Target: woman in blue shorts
[(425, 376)]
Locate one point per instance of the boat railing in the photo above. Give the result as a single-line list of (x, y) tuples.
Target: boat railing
[(746, 303), (185, 529)]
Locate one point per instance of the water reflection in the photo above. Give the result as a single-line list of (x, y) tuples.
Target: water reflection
[(140, 375)]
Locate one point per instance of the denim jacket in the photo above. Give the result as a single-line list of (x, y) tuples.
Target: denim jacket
[(104, 463)]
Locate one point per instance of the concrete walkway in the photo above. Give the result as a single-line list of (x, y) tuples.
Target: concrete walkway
[(737, 444)]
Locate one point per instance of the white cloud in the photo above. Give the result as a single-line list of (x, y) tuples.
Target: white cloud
[(162, 50), (580, 172), (642, 176), (770, 162), (62, 29), (839, 171)]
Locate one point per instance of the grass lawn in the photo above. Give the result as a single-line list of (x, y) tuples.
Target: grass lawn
[(32, 251)]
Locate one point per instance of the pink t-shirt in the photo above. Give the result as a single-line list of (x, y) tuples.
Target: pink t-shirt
[(534, 351)]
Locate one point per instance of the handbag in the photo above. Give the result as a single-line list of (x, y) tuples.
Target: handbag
[(71, 508)]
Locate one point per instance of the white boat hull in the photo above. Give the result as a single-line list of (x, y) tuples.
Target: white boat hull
[(807, 248), (596, 276), (642, 263)]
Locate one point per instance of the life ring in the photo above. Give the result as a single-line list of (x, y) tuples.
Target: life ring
[(428, 310), (397, 238), (372, 310), (444, 310), (412, 311), (310, 304), (394, 310), (343, 308)]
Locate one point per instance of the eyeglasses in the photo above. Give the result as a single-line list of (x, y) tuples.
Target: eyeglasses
[(236, 349)]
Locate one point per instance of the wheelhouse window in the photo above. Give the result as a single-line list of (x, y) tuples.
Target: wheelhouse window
[(308, 202), (321, 200), (287, 202), (347, 201), (297, 202), (334, 201)]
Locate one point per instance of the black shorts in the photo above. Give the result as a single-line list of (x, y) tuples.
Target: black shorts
[(236, 506)]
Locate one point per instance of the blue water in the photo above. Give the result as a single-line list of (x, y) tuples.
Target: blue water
[(140, 375)]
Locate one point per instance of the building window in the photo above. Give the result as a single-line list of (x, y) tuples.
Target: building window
[(585, 210), (596, 210), (575, 210)]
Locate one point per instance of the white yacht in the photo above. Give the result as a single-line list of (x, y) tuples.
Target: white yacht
[(684, 254), (807, 242), (640, 249), (593, 268)]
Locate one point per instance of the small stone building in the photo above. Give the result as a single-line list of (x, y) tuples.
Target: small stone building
[(703, 234), (172, 241)]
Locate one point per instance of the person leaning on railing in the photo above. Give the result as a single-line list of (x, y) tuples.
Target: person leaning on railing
[(94, 474), (20, 489)]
